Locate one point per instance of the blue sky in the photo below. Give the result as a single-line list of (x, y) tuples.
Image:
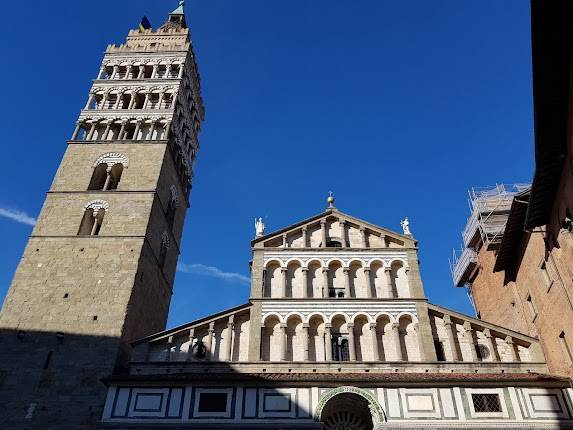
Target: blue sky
[(397, 107)]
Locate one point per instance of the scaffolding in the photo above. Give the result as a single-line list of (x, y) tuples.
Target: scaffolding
[(490, 209)]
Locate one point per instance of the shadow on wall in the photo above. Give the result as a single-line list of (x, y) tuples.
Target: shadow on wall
[(52, 380)]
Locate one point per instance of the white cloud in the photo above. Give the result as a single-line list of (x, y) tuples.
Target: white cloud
[(201, 269), (17, 216)]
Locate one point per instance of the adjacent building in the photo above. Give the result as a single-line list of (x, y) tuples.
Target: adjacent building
[(522, 276)]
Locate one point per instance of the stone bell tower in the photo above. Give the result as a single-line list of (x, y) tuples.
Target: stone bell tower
[(98, 269)]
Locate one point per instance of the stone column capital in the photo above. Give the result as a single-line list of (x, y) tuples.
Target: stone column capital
[(467, 326), (487, 332), (282, 326), (327, 326), (372, 326), (350, 325), (366, 269), (306, 326), (509, 340), (447, 320), (346, 270), (322, 222), (304, 269), (304, 228), (388, 269)]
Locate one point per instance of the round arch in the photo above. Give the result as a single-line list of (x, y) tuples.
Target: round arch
[(378, 415)]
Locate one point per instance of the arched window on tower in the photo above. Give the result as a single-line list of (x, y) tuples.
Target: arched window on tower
[(107, 172), (92, 220)]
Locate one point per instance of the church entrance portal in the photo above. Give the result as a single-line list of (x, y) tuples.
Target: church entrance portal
[(346, 411)]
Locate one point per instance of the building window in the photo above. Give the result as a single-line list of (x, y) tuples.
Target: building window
[(92, 220), (566, 349), (545, 275), (531, 307), (340, 350), (484, 403), (107, 171), (482, 352), (212, 402)]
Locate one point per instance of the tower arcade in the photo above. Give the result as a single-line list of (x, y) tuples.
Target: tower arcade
[(98, 270)]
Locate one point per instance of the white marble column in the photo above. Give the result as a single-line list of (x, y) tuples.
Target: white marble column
[(395, 327), (368, 277), (137, 128), (154, 72), (191, 341), (76, 130), (342, 225), (209, 345), (283, 341), (351, 341), (374, 339), (490, 344), (305, 341), (114, 73), (106, 132), (230, 329), (389, 282), (325, 282), (346, 272), (90, 100), (169, 346), (304, 282), (285, 243), (91, 132), (449, 326), (284, 279), (511, 347), (304, 237), (323, 233), (128, 72), (180, 71), (468, 334), (121, 130), (328, 342), (363, 242)]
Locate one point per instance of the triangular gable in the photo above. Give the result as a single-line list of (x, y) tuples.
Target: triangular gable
[(273, 238)]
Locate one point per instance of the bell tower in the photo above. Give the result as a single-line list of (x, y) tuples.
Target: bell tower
[(98, 269)]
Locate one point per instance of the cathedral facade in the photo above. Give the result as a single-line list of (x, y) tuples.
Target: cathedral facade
[(337, 333)]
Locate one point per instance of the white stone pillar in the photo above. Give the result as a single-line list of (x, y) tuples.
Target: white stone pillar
[(389, 282), (283, 341), (420, 342), (369, 285), (351, 342), (90, 100), (395, 327), (103, 101), (448, 324), (137, 127), (363, 243), (342, 225), (304, 282), (132, 100), (101, 72), (209, 345), (180, 71), (384, 241), (128, 72), (108, 178), (167, 130), (118, 100), (168, 348), (76, 130), (151, 129), (374, 339), (191, 341), (154, 72), (285, 243), (284, 273), (511, 347), (490, 344), (305, 341), (304, 237), (141, 71), (323, 233), (92, 130), (327, 342), (325, 282), (114, 73), (167, 71), (121, 130), (230, 329), (346, 272), (95, 225), (468, 334), (106, 132), (160, 100), (146, 100)]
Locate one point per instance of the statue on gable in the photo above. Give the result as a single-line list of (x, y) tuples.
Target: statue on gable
[(259, 227), (405, 223)]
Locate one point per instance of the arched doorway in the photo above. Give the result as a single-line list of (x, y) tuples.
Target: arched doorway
[(349, 408)]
